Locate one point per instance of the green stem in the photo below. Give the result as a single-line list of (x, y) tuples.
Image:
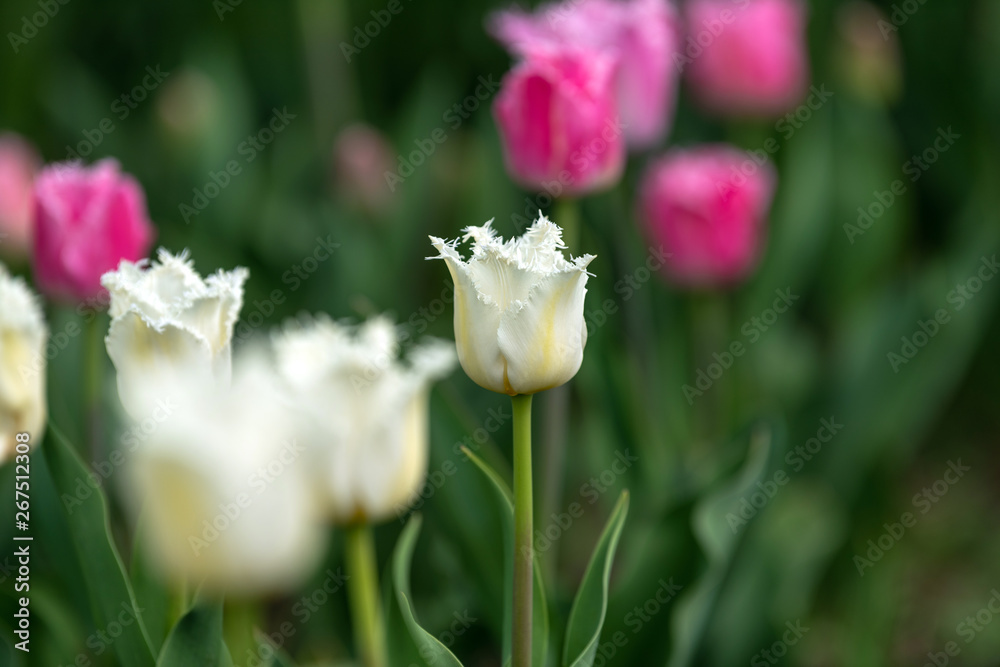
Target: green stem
[(93, 354), (239, 621), (523, 546), (366, 612), (567, 213)]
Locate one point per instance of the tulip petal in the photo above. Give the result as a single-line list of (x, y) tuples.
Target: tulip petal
[(142, 354), (543, 340), (476, 324)]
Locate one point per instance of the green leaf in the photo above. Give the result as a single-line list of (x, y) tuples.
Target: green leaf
[(196, 639), (540, 615), (586, 618), (268, 648), (719, 541), (431, 650), (110, 592), (150, 593)]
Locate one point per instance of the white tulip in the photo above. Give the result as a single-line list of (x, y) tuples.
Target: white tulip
[(22, 364), (223, 485), (519, 321), (165, 318), (369, 410)]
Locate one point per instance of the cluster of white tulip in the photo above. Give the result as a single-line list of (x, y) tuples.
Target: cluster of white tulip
[(23, 337), (324, 424)]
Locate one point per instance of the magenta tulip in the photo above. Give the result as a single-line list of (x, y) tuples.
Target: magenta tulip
[(559, 123), (18, 164), (87, 220), (707, 208), (641, 35), (748, 57)]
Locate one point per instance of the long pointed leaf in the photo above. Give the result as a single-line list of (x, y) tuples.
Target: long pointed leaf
[(540, 610), (586, 618), (196, 639), (108, 586), (431, 650)]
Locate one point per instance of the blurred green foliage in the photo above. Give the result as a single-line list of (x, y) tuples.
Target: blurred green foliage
[(795, 559)]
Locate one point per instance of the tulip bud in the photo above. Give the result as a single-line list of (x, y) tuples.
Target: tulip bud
[(707, 207), (369, 441), (87, 220), (558, 122), (519, 321), (222, 483), (22, 364), (361, 158), (640, 34), (867, 55), (748, 57), (166, 320), (18, 164)]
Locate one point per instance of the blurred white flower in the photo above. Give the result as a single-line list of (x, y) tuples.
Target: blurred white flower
[(22, 348), (519, 321), (223, 489), (165, 319), (369, 410)]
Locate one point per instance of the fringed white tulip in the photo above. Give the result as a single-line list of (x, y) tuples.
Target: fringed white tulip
[(519, 322), (223, 485), (369, 410), (166, 319), (22, 364)]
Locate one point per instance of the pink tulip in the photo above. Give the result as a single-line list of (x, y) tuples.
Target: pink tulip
[(361, 158), (746, 57), (87, 220), (18, 164), (707, 207), (558, 121), (641, 34)]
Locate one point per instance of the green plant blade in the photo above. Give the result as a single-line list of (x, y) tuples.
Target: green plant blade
[(266, 647), (540, 615), (111, 596), (150, 593), (586, 618), (196, 639), (719, 543), (432, 651)]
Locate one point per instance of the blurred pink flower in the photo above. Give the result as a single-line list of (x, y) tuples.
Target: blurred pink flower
[(640, 34), (87, 220), (361, 158), (558, 121), (747, 57), (708, 208), (19, 162)]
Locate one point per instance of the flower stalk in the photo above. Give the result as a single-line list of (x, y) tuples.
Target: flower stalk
[(366, 612), (523, 527)]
